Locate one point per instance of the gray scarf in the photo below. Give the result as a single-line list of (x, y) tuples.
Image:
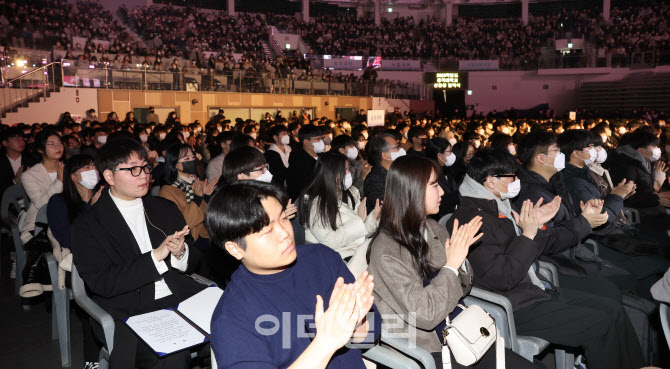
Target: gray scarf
[(471, 188)]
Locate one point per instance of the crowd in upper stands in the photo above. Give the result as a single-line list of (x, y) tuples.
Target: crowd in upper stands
[(171, 32)]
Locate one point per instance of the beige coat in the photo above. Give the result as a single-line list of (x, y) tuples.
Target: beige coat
[(399, 292), (194, 214), (39, 187)]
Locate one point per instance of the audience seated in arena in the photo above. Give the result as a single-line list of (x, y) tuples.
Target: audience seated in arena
[(504, 261)]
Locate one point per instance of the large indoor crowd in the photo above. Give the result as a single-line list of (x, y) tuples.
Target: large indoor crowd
[(370, 197), (175, 32)]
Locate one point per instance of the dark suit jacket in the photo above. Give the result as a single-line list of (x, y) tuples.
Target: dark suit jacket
[(119, 277), (300, 172), (7, 173)]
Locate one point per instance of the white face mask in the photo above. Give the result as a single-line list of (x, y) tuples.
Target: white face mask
[(220, 129), (559, 161), (254, 135), (449, 160), (505, 130), (318, 147), (602, 156), (365, 134), (477, 143), (89, 178), (352, 153), (285, 140), (348, 181), (513, 189), (186, 134), (144, 138), (593, 154), (102, 139), (397, 154), (361, 145), (452, 141), (162, 136), (655, 154), (512, 149), (265, 177)]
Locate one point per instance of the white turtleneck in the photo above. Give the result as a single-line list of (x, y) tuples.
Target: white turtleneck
[(133, 214)]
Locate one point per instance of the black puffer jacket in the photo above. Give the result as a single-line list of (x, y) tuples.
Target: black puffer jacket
[(567, 228)]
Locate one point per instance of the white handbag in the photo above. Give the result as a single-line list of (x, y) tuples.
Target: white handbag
[(469, 336)]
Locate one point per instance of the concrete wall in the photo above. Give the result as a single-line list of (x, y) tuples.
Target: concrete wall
[(50, 110), (524, 90)]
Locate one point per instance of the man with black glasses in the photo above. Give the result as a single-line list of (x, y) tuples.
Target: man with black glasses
[(133, 252)]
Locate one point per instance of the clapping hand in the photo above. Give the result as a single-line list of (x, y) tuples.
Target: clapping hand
[(526, 219), (457, 246), (291, 209), (546, 212), (335, 326), (592, 212)]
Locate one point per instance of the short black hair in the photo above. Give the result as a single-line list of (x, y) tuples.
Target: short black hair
[(377, 146), (435, 146), (308, 131), (341, 142), (236, 211), (574, 139), (240, 140), (535, 142), (241, 161), (491, 162), (119, 151), (640, 139), (500, 141), (224, 136), (12, 132), (276, 130), (416, 131)]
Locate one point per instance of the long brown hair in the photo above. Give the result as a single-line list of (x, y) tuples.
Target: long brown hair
[(403, 215)]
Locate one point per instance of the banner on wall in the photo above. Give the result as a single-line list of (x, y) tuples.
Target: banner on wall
[(478, 65), (401, 64), (346, 63), (376, 117)]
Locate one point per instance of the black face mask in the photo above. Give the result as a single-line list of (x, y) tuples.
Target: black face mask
[(188, 167), (73, 151)]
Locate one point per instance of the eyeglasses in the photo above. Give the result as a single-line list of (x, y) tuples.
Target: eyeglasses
[(55, 144), (136, 171), (506, 176), (262, 169)]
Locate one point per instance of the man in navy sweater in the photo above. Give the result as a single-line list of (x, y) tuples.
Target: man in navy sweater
[(273, 314)]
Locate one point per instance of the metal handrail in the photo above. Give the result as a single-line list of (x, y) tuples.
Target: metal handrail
[(31, 72)]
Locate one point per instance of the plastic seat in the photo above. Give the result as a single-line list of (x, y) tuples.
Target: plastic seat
[(501, 310), (665, 321), (60, 315), (632, 215), (12, 204), (443, 221), (97, 313), (20, 256)]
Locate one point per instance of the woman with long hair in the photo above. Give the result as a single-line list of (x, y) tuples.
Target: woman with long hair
[(331, 209), (420, 270), (80, 178), (42, 180), (130, 118), (184, 188)]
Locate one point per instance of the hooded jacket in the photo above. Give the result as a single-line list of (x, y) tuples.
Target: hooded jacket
[(501, 259)]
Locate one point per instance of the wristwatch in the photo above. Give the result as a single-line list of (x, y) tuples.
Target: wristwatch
[(181, 256)]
